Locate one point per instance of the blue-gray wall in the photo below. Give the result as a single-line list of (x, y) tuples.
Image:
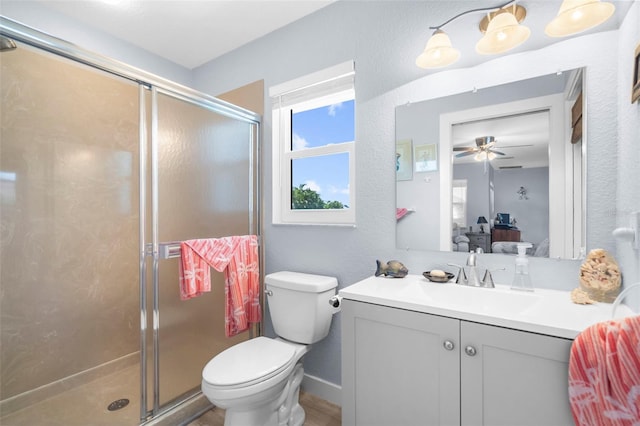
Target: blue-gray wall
[(384, 38), (532, 215)]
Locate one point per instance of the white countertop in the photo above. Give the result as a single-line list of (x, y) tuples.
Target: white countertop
[(543, 311)]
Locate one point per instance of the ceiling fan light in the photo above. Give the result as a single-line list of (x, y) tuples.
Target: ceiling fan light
[(438, 53), (480, 156), (490, 156), (503, 34)]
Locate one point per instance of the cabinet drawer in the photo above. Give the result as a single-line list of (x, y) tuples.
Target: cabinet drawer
[(476, 239)]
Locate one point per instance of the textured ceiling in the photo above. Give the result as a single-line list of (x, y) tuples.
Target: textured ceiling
[(186, 32), (193, 32)]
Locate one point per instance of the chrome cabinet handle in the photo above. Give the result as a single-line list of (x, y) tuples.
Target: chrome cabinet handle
[(448, 345), (470, 350)]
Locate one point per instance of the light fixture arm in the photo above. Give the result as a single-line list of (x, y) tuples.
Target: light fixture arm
[(483, 9)]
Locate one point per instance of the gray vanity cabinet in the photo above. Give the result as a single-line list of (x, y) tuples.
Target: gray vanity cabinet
[(514, 378), (402, 367)]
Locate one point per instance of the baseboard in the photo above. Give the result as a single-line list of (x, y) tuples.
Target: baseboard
[(323, 389)]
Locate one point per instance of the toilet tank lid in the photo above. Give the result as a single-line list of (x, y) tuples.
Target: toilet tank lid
[(301, 282)]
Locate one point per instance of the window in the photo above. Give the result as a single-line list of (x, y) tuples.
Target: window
[(314, 148), (459, 203)]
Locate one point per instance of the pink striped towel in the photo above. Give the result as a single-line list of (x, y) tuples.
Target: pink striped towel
[(604, 374), (237, 256), (401, 212)]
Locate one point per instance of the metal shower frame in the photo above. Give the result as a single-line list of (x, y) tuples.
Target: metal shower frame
[(155, 84)]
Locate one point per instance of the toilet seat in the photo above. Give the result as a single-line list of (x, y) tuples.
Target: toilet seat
[(252, 361)]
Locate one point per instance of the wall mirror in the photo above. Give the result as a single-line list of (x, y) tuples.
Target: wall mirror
[(493, 167)]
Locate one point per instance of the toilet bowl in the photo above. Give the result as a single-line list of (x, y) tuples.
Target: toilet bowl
[(258, 381), (252, 381)]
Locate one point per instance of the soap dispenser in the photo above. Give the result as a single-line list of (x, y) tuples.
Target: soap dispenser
[(522, 279)]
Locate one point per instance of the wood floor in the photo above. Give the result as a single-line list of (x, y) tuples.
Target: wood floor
[(318, 413)]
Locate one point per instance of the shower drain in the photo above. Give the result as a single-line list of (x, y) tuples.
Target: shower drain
[(118, 404)]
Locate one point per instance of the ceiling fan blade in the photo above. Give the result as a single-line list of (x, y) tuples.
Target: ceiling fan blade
[(461, 148), (464, 154), (497, 152), (516, 146)]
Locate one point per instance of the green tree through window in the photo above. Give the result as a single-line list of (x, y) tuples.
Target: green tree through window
[(306, 198)]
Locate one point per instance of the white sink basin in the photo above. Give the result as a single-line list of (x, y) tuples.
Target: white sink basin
[(488, 300)]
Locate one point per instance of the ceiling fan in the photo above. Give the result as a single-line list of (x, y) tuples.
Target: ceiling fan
[(483, 149)]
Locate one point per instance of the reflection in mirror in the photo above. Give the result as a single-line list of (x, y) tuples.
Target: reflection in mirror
[(503, 177), (504, 151)]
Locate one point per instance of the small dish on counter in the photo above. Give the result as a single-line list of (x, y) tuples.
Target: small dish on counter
[(438, 278)]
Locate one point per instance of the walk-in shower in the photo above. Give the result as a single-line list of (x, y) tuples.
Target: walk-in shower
[(102, 170)]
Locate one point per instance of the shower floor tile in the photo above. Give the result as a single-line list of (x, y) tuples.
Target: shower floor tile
[(86, 404)]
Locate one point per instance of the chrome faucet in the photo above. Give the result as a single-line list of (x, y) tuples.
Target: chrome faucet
[(472, 277)]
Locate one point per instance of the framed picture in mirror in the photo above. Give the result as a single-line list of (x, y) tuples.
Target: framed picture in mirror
[(426, 158), (635, 90)]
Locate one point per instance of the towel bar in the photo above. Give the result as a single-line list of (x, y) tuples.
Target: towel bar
[(165, 250)]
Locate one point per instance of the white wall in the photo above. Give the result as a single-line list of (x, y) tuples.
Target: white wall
[(628, 193), (374, 34)]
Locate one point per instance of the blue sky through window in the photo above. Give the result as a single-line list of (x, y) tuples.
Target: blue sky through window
[(328, 175)]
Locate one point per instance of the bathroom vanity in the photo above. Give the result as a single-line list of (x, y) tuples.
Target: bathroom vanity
[(416, 352)]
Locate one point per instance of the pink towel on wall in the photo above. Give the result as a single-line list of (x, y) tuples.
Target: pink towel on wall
[(401, 212), (238, 257), (604, 374)]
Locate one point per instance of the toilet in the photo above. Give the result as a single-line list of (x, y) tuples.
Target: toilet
[(257, 381)]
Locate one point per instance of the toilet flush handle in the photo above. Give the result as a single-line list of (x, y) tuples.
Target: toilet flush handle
[(268, 292)]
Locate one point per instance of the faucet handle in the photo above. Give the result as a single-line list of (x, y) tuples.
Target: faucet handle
[(487, 280), (462, 276)]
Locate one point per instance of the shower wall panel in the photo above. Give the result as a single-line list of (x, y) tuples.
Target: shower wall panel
[(69, 219)]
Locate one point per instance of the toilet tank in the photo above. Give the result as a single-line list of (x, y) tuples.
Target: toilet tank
[(299, 305)]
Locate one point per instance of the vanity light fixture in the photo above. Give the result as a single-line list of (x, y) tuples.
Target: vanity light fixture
[(576, 16), (503, 31), (500, 36), (439, 52)]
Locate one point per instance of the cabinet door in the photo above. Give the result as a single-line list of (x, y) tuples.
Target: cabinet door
[(515, 378), (395, 368)]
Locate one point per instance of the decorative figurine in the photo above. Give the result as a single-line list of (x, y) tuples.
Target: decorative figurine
[(392, 268), (600, 276)]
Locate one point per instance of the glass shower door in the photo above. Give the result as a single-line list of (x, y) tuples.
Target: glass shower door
[(201, 187)]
